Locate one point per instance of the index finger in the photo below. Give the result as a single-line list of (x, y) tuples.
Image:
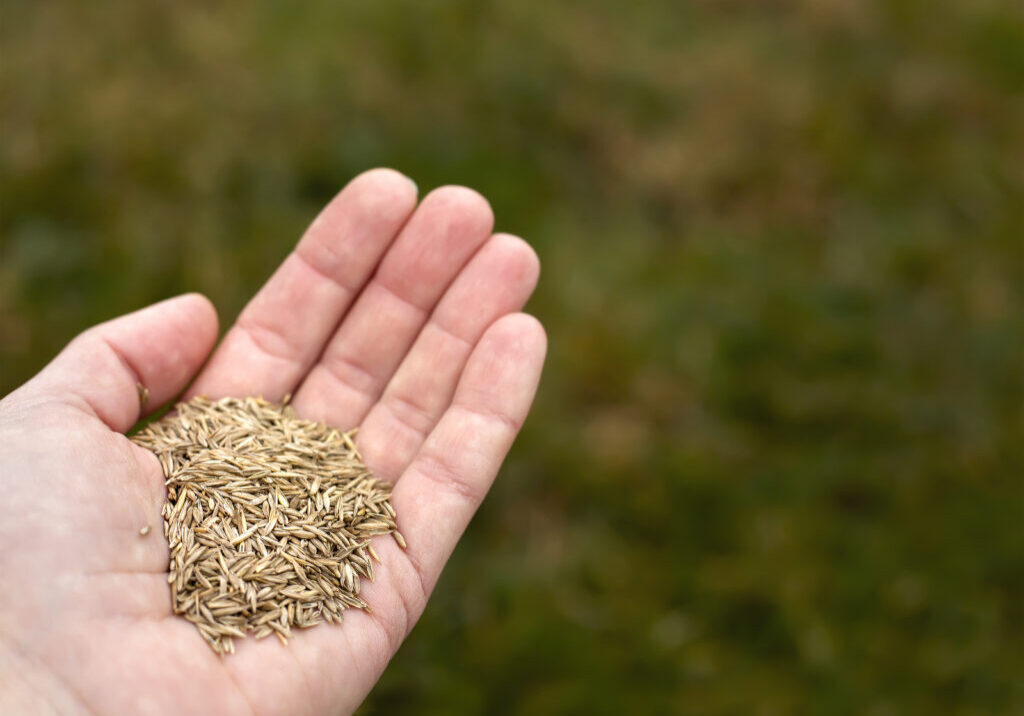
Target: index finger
[(282, 331)]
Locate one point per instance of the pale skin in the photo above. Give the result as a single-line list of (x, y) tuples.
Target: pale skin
[(396, 315)]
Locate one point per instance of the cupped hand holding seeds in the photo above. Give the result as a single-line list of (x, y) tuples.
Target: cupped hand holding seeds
[(397, 318)]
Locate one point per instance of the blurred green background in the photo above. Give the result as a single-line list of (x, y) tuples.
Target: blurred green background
[(777, 461)]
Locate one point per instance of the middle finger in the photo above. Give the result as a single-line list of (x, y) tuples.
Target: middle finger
[(450, 224)]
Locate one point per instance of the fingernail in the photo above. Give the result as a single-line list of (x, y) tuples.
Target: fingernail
[(414, 187)]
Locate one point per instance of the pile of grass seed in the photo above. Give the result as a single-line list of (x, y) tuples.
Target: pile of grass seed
[(268, 517)]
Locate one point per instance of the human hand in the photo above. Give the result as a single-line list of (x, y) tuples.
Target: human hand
[(398, 318)]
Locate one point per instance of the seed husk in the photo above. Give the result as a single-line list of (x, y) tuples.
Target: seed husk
[(268, 518)]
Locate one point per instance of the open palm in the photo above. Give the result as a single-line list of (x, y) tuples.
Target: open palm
[(398, 318)]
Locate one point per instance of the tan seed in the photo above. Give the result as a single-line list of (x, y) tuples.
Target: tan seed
[(268, 518)]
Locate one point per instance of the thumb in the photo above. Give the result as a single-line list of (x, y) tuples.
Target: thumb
[(160, 347)]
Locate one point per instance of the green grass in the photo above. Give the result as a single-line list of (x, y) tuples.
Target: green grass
[(776, 463)]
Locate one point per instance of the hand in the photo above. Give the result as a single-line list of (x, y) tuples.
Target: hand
[(398, 318)]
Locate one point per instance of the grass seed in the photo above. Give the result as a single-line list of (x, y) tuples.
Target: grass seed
[(269, 518)]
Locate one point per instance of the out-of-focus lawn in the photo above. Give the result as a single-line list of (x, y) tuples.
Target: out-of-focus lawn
[(777, 463)]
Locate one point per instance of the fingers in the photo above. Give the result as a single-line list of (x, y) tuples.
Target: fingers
[(442, 488), (283, 330), (160, 347), (434, 500), (445, 231), (498, 280)]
